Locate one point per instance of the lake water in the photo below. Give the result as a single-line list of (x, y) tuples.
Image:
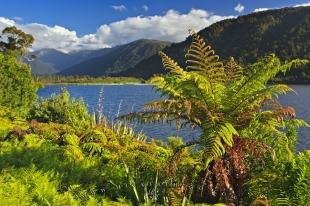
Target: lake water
[(127, 98)]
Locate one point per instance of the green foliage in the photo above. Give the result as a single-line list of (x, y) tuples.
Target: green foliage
[(15, 41), (61, 109), (302, 178), (244, 155), (32, 187), (204, 96), (93, 167), (281, 182), (17, 88), (236, 110)]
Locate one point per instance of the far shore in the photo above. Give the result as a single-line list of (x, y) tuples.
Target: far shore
[(140, 83), (85, 84)]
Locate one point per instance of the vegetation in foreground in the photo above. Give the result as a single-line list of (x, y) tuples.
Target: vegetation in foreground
[(55, 153)]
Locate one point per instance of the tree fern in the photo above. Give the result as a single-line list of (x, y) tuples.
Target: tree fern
[(212, 96), (227, 102)]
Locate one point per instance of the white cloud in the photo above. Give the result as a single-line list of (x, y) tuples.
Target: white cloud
[(4, 22), (261, 9), (265, 9), (171, 26), (145, 7), (239, 8), (119, 7), (304, 4)]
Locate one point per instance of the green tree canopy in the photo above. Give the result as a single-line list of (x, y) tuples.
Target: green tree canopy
[(17, 88), (14, 40)]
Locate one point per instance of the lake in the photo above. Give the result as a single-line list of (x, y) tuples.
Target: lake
[(123, 99)]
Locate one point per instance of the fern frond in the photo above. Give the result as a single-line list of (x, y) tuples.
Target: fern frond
[(263, 71), (190, 111), (170, 64), (182, 112), (216, 141), (283, 201), (201, 58), (285, 113), (233, 70), (250, 100), (73, 152), (93, 148), (173, 199)]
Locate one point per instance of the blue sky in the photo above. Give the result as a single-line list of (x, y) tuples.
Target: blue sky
[(86, 21), (85, 16)]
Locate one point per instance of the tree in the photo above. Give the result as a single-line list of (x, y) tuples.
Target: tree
[(235, 110), (15, 41), (17, 88)]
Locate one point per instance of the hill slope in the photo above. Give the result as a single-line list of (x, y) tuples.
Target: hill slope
[(39, 67), (117, 59), (52, 61), (285, 32)]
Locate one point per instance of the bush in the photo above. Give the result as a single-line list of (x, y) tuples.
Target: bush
[(61, 109), (279, 183), (17, 88)]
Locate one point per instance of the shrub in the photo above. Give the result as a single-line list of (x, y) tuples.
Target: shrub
[(61, 109), (280, 183)]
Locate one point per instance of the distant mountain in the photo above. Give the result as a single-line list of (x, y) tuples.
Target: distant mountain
[(285, 32), (53, 57), (50, 61), (117, 59), (94, 62), (39, 67)]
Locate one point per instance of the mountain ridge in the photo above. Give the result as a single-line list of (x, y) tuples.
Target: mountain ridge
[(94, 62), (119, 59), (285, 32)]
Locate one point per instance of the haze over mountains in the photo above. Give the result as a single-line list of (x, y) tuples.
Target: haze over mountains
[(94, 62), (285, 32), (117, 59), (51, 61)]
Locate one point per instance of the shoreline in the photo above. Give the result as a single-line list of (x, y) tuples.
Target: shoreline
[(141, 84), (90, 84)]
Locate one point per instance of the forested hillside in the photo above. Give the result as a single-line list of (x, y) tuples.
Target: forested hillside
[(285, 32)]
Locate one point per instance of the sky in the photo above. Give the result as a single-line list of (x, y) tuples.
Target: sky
[(70, 25)]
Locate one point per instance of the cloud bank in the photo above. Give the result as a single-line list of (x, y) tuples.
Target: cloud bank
[(261, 9), (304, 4), (172, 26), (265, 9)]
